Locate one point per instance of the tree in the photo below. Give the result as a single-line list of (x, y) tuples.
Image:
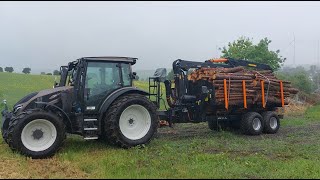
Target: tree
[(244, 49), (1, 69), (298, 77), (26, 70), (316, 80), (170, 75), (314, 73), (49, 73), (9, 69), (43, 73), (56, 72)]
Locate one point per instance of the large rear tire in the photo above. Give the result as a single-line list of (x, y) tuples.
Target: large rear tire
[(36, 134), (252, 123), (272, 122), (131, 120)]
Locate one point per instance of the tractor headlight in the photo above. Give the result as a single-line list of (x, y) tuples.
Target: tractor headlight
[(16, 108)]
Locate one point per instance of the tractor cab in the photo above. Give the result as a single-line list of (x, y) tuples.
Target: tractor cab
[(94, 78)]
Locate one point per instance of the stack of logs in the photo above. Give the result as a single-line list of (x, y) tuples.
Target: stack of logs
[(254, 81)]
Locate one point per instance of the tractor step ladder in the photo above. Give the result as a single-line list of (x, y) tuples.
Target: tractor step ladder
[(154, 90), (90, 128)]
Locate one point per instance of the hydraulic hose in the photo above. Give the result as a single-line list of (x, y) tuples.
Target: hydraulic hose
[(167, 84)]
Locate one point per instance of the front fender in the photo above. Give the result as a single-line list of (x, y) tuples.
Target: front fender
[(6, 117), (64, 114)]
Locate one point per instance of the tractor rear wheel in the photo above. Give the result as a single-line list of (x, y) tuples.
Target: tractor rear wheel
[(272, 122), (252, 123), (37, 134), (131, 120)]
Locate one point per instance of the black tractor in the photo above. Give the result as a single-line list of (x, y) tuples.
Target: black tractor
[(95, 98)]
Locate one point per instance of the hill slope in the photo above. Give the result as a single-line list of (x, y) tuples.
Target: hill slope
[(14, 86)]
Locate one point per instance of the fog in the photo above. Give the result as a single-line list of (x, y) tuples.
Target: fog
[(46, 35)]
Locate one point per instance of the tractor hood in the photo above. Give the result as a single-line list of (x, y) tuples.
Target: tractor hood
[(51, 96)]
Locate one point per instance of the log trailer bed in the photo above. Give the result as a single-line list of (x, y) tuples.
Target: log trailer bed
[(225, 93)]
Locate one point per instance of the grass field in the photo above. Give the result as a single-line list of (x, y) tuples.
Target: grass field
[(185, 151)]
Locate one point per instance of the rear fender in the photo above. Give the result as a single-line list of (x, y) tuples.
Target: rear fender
[(113, 96)]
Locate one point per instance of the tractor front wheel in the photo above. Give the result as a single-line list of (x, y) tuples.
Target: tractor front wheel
[(36, 133), (131, 120)]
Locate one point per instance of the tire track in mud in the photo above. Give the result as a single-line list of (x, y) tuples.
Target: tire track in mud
[(181, 131)]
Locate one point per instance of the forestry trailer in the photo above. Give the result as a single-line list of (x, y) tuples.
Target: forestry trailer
[(96, 99)]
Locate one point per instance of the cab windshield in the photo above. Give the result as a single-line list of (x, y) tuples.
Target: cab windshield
[(103, 78)]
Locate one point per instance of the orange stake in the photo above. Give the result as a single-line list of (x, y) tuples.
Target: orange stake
[(244, 94), (262, 93), (282, 96), (225, 93), (219, 60)]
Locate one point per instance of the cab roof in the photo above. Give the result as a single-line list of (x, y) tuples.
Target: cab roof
[(130, 60)]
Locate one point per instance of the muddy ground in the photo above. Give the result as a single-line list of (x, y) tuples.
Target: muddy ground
[(182, 131)]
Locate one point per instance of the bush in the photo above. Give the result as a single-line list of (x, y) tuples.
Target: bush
[(308, 98), (9, 69), (56, 72), (26, 70), (298, 77)]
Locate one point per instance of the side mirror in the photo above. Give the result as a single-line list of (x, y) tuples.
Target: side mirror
[(55, 84), (133, 75), (5, 105)]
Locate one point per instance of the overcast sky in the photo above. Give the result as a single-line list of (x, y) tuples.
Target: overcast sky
[(46, 35)]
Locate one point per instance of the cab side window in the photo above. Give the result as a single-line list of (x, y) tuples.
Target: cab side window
[(126, 71)]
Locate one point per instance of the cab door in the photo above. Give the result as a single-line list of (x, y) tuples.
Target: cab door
[(102, 78)]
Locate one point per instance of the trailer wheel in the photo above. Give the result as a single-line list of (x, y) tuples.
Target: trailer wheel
[(37, 134), (131, 120), (271, 122), (252, 123)]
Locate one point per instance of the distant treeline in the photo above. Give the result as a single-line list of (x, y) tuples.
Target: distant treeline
[(27, 70)]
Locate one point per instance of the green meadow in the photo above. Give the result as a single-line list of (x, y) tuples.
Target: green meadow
[(184, 151)]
